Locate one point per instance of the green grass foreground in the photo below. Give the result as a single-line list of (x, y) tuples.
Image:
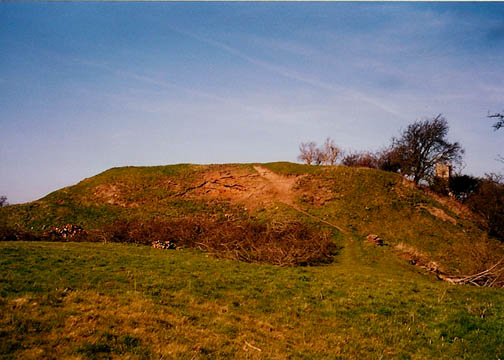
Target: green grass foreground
[(93, 300)]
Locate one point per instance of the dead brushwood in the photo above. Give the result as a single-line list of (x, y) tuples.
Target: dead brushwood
[(282, 244), (491, 277)]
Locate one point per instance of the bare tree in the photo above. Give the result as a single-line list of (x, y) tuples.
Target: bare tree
[(500, 120), (422, 145), (3, 201), (308, 152), (499, 124), (320, 157), (331, 152)]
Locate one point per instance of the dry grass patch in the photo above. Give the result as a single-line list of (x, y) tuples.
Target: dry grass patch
[(417, 258), (87, 324)]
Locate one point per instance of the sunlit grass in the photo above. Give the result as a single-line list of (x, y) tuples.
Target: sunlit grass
[(93, 300), (107, 300)]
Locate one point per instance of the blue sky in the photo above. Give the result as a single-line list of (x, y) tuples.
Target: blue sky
[(89, 86)]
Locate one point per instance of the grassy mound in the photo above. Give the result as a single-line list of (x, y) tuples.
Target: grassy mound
[(357, 201)]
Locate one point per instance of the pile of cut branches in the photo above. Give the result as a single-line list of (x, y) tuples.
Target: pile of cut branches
[(283, 244), (491, 277)]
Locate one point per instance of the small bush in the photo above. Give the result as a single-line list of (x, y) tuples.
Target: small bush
[(11, 234), (460, 187), (440, 186), (360, 159), (388, 159), (463, 186)]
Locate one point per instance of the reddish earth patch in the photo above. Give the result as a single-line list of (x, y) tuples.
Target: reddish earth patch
[(255, 189), (113, 194)]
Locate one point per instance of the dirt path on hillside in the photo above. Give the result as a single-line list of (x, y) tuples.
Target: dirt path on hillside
[(283, 186), (254, 189), (280, 185)]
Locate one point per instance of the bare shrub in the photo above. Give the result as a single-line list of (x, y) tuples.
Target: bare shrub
[(463, 186), (486, 266), (8, 233), (388, 159), (284, 244), (11, 234), (482, 262), (360, 159)]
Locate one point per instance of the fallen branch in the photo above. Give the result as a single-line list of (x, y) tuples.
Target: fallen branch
[(486, 278), (252, 346)]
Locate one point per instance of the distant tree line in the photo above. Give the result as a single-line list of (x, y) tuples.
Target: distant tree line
[(327, 154), (414, 154)]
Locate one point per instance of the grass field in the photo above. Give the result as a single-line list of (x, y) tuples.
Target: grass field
[(100, 301), (67, 300)]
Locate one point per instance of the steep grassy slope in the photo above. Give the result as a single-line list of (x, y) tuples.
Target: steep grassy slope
[(357, 201), (102, 301), (365, 201)]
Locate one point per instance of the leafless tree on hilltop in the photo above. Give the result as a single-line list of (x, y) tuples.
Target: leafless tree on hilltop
[(308, 152), (331, 152)]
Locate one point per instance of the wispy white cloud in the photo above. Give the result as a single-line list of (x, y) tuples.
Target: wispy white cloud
[(295, 75), (150, 80), (229, 104)]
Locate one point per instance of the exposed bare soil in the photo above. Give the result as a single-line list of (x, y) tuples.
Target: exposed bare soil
[(113, 194), (255, 189)]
